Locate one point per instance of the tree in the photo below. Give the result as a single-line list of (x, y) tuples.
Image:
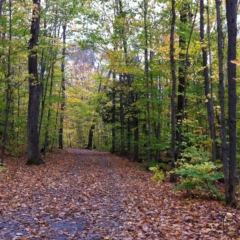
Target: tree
[(231, 13), (146, 69), (224, 154), (156, 80), (90, 138), (173, 95), (208, 90), (183, 63), (63, 89), (9, 89), (34, 89), (1, 4)]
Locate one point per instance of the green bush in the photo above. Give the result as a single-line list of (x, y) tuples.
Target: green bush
[(148, 165), (196, 171)]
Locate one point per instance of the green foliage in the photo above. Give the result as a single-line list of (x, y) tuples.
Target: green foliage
[(1, 168), (196, 155), (158, 174), (148, 165), (198, 173)]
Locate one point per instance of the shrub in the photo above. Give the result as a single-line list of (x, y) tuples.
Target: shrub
[(148, 165), (158, 174), (196, 171)]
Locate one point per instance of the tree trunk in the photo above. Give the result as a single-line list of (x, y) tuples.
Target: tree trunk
[(47, 142), (215, 144), (8, 90), (136, 138), (122, 132), (146, 69), (129, 133), (136, 130), (44, 92), (34, 90), (184, 63), (181, 79), (224, 155), (208, 94), (42, 72), (90, 138), (173, 95), (114, 114), (60, 139), (46, 139), (1, 4), (231, 8)]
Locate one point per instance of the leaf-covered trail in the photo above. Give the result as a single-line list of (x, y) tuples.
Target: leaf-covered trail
[(82, 194)]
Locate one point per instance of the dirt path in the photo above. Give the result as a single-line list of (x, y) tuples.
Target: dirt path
[(109, 211), (82, 194)]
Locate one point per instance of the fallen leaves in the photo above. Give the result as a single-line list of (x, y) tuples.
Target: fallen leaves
[(82, 194)]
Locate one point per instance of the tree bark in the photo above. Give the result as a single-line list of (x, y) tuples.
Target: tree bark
[(136, 130), (90, 138), (231, 11), (224, 154), (122, 132), (9, 88), (181, 79), (42, 72), (173, 95), (34, 90), (114, 114), (184, 62), (129, 123), (46, 138), (146, 69), (60, 139), (208, 94)]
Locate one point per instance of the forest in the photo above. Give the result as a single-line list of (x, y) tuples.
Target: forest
[(154, 82)]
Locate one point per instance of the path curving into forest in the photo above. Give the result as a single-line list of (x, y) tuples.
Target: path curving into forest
[(90, 195)]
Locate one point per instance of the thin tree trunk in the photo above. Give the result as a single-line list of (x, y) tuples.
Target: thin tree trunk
[(146, 69), (122, 151), (224, 155), (90, 138), (60, 139), (173, 95), (9, 90), (1, 5), (34, 90), (136, 131), (215, 144), (182, 84), (129, 123), (159, 124), (125, 78), (46, 140), (44, 95), (56, 126), (208, 94), (181, 78), (42, 72), (114, 114), (231, 8)]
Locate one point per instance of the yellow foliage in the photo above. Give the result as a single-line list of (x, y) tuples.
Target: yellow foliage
[(158, 174)]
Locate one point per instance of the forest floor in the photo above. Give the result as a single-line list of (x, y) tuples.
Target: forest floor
[(83, 194)]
